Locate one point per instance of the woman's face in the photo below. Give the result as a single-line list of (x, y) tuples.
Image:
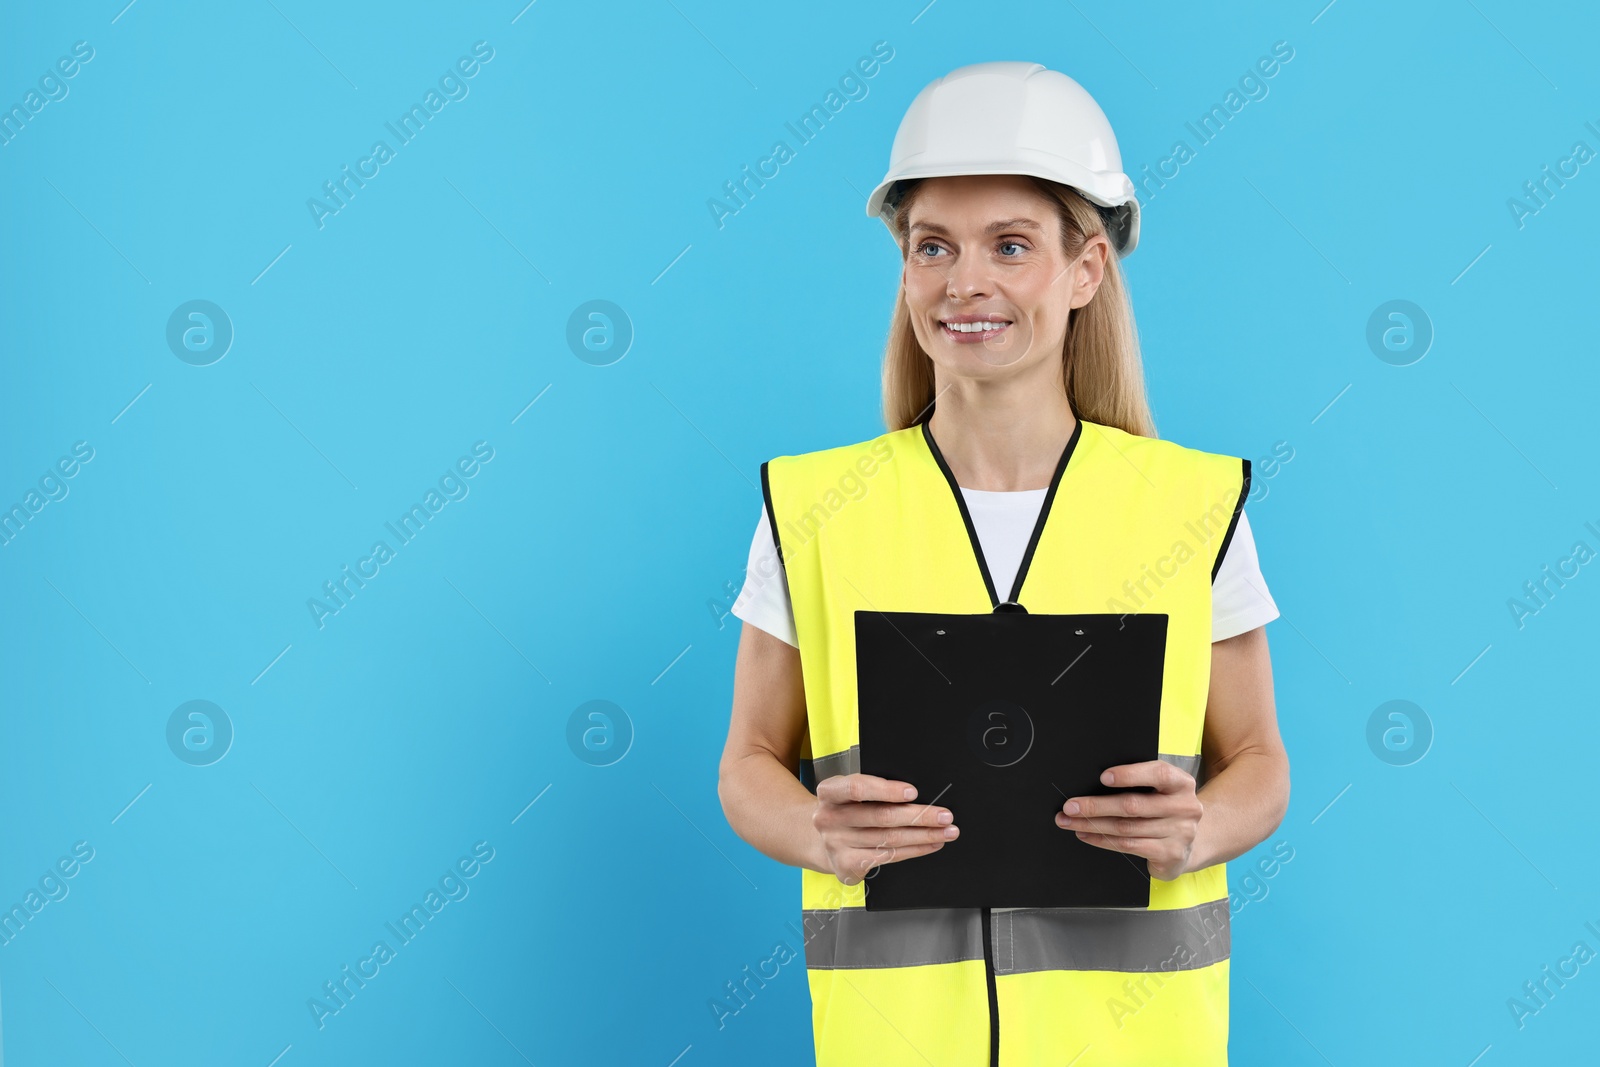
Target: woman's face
[(987, 248)]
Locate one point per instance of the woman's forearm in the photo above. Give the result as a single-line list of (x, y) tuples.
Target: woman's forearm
[(771, 810), (1244, 802)]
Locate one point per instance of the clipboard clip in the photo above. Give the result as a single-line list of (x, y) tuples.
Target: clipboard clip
[(1009, 606)]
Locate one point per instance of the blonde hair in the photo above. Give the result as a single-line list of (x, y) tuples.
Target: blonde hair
[(1101, 370)]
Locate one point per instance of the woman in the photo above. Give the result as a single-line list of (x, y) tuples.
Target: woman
[(1020, 440)]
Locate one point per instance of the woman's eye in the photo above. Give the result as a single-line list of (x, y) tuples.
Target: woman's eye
[(922, 249), (1014, 244)]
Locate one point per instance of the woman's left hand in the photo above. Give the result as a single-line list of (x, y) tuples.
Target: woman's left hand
[(1159, 826)]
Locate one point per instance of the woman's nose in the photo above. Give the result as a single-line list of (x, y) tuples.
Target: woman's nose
[(968, 278)]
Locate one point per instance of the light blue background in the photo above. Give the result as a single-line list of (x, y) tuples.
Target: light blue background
[(595, 556)]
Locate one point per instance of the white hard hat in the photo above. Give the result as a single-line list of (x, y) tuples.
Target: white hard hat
[(1012, 118)]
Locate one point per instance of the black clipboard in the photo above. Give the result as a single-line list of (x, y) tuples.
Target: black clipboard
[(1001, 718)]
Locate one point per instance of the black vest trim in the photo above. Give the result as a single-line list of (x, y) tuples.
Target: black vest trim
[(966, 516), (772, 521), (1233, 523)]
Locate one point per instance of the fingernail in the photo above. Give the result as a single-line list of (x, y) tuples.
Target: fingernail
[(945, 816), (1072, 807), (910, 792), (949, 832)]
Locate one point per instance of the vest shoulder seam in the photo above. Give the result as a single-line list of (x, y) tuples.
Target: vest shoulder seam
[(844, 449), (1165, 442)]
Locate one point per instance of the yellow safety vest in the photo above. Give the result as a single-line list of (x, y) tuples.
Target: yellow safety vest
[(1129, 524)]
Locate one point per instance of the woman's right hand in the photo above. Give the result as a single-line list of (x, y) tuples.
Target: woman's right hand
[(865, 821)]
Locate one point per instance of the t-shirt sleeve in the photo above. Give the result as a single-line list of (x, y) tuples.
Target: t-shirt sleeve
[(1239, 598), (763, 602)]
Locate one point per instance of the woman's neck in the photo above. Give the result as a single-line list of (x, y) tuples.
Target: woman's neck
[(997, 443)]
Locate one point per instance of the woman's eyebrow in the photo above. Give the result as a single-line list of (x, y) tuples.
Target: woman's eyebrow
[(993, 227)]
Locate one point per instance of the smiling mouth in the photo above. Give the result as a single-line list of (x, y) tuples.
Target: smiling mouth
[(970, 332)]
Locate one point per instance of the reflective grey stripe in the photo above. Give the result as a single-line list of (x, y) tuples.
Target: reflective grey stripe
[(812, 771), (1025, 939), (856, 937), (1111, 939), (1183, 763)]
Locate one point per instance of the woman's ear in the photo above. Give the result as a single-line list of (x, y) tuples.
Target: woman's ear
[(1091, 268)]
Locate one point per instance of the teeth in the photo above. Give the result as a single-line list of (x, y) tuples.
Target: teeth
[(974, 327)]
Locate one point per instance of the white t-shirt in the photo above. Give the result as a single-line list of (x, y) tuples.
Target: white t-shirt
[(1004, 521)]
